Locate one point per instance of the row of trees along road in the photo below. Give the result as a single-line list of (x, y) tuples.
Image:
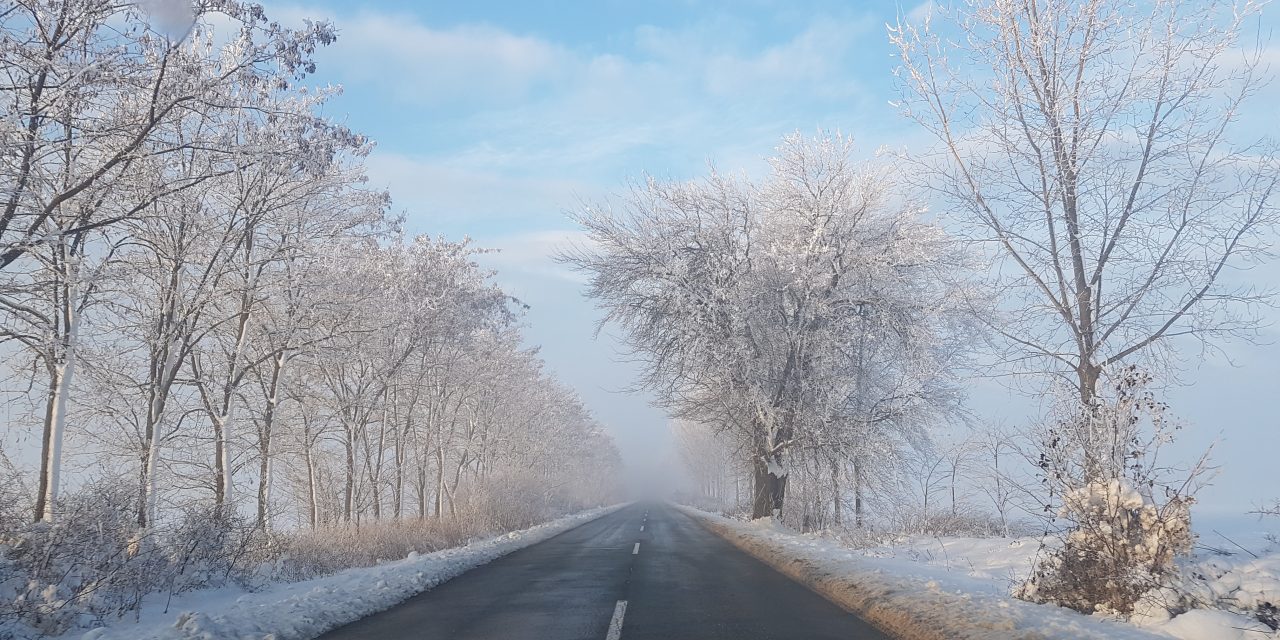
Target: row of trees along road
[(198, 292)]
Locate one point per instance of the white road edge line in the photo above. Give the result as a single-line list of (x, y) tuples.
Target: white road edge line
[(636, 549), (615, 625)]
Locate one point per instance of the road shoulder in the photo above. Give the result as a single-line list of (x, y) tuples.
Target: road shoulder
[(902, 604)]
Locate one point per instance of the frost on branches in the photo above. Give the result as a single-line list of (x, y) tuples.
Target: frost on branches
[(1128, 519), (224, 362), (809, 317)]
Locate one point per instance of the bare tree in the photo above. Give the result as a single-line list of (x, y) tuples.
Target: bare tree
[(1092, 147), (83, 94), (711, 461), (995, 452)]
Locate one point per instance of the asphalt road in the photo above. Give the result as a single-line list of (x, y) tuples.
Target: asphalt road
[(681, 581)]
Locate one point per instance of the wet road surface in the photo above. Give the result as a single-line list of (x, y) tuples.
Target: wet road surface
[(610, 580)]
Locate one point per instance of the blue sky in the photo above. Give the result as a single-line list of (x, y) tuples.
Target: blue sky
[(493, 118)]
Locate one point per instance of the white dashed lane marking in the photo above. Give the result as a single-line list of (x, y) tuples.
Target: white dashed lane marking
[(615, 625), (636, 549)]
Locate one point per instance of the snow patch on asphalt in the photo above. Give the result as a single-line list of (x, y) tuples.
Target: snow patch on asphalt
[(302, 610)]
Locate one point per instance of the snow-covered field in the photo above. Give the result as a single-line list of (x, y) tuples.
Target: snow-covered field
[(301, 610), (959, 587)]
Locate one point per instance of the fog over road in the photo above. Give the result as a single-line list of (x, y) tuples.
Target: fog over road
[(645, 572)]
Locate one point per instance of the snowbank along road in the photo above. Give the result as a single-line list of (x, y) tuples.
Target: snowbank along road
[(645, 572)]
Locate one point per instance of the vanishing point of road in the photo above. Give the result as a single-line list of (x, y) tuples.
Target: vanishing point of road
[(644, 572)]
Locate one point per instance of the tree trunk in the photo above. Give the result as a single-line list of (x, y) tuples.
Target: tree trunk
[(55, 421), (264, 485), (835, 492), (151, 448), (348, 496), (1097, 459), (423, 508), (375, 473), (768, 490), (60, 377), (954, 475), (166, 358), (1088, 375), (147, 478), (397, 487), (857, 494), (313, 505), (439, 482), (457, 480), (221, 465), (264, 438)]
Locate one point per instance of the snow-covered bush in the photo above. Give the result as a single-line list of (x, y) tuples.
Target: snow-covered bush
[(93, 563), (969, 523), (497, 506), (306, 554), (1127, 518), (88, 565), (1121, 546), (510, 501), (205, 548), (15, 497)]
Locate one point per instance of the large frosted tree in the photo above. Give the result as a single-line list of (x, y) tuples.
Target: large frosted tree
[(747, 301)]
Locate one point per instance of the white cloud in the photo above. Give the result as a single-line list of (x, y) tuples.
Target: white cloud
[(813, 61), (520, 258), (428, 65), (921, 13), (510, 115), (437, 192), (525, 155)]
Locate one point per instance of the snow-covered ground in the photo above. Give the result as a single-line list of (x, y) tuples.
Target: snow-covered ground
[(301, 610), (926, 587)]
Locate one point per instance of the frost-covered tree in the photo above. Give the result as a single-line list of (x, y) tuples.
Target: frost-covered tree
[(752, 303), (91, 90), (711, 463), (91, 111), (1096, 149), (291, 187)]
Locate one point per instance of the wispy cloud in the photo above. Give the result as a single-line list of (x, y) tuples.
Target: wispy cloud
[(922, 13), (444, 194), (512, 127), (417, 63), (524, 256), (478, 62)]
